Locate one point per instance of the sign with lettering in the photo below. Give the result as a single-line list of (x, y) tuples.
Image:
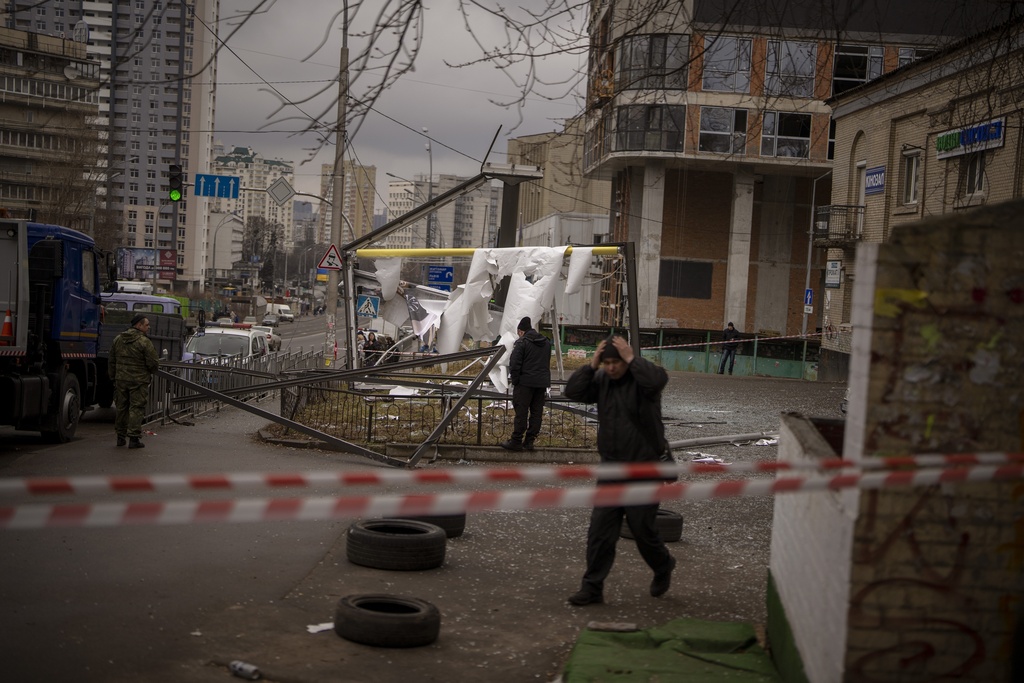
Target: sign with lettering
[(975, 138), (874, 180), (833, 274)]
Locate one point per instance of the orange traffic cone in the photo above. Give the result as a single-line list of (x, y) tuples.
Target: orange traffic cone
[(8, 329)]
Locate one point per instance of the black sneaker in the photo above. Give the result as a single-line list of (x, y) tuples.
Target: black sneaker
[(585, 597), (511, 445), (121, 441), (662, 582)]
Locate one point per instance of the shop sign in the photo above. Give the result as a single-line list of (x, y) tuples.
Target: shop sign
[(976, 138), (874, 180)]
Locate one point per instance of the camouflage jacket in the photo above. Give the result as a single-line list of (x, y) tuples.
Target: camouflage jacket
[(132, 357)]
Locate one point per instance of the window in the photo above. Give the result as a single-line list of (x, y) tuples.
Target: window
[(854, 65), (653, 61), (723, 130), (831, 139), (654, 127), (685, 279), (790, 68), (972, 173), (911, 170), (786, 135), (726, 64), (912, 54)]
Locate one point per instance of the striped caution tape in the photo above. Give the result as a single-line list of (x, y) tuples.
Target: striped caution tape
[(172, 483), (36, 516)]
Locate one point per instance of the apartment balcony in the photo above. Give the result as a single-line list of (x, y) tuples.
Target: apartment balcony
[(839, 225)]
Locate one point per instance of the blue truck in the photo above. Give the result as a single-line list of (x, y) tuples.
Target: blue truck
[(49, 341)]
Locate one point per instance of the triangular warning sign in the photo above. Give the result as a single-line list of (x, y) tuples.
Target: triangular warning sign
[(367, 309), (331, 260)]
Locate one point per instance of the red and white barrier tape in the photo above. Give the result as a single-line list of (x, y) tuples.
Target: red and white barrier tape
[(171, 483), (36, 516)]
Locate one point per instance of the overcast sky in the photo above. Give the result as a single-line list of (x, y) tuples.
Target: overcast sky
[(453, 104)]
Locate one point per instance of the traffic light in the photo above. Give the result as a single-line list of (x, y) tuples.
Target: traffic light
[(176, 183)]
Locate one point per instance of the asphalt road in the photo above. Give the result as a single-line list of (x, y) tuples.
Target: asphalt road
[(178, 603)]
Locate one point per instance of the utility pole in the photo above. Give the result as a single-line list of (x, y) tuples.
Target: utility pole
[(336, 213)]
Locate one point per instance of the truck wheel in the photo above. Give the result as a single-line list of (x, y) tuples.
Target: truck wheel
[(387, 620), (69, 409), (397, 544)]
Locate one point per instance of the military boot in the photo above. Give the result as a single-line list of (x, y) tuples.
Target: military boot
[(135, 442)]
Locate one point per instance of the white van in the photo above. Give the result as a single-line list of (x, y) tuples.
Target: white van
[(283, 313), (133, 287)]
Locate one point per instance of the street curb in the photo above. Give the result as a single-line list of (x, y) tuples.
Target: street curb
[(456, 452)]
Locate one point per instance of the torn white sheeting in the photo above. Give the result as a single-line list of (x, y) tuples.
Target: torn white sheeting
[(319, 628), (467, 310), (395, 311), (403, 391), (579, 266), (389, 272), (766, 442)]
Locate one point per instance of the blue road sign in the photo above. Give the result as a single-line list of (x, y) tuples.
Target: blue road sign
[(367, 306), (440, 277), (808, 297), (224, 186)]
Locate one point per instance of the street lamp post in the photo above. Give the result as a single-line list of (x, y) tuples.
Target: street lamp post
[(216, 233), (431, 222)]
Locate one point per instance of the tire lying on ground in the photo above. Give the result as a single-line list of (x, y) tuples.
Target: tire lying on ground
[(387, 620), (399, 544), (668, 523), (453, 525)]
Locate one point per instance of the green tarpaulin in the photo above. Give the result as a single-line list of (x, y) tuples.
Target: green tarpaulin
[(688, 650)]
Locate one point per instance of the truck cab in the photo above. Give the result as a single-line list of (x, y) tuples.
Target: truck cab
[(48, 342)]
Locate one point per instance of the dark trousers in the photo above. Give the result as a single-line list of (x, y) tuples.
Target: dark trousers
[(603, 535), (729, 354), (528, 403), (130, 399)]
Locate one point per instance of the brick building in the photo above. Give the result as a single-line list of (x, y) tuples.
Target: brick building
[(942, 135), (710, 122)]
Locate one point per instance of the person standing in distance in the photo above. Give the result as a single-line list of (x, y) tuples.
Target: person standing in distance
[(133, 361), (730, 335), (529, 372), (627, 390)]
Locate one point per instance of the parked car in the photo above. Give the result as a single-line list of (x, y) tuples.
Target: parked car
[(273, 339), (225, 343), (270, 320)]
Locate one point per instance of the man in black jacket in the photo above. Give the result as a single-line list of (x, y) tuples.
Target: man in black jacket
[(730, 336), (529, 372), (627, 390)]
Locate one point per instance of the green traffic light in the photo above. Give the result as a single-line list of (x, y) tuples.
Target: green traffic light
[(175, 195)]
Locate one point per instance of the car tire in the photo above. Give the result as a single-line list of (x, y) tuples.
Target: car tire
[(387, 620), (396, 544), (668, 523), (453, 525)]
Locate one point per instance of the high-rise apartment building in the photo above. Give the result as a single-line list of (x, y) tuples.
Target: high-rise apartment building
[(357, 205), (156, 105), (256, 174), (711, 123), (471, 221)]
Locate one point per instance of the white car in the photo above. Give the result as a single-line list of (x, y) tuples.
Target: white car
[(226, 343), (273, 340)]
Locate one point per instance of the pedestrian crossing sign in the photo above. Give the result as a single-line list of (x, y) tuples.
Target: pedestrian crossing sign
[(367, 306)]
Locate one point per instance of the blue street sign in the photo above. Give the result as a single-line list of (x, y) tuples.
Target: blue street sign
[(440, 277), (808, 297), (223, 186), (367, 306)]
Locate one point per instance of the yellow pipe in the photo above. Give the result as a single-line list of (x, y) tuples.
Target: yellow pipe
[(420, 253)]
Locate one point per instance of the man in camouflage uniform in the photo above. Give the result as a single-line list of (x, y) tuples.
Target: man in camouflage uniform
[(133, 361)]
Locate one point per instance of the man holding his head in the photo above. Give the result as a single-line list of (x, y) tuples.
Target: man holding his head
[(627, 390), (132, 362), (529, 372)]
